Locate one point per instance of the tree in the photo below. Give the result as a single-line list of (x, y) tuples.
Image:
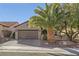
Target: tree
[(71, 20), (47, 19)]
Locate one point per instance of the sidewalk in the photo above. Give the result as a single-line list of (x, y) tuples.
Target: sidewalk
[(30, 49), (14, 47)]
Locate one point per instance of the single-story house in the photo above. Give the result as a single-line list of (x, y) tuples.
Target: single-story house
[(24, 32), (20, 32)]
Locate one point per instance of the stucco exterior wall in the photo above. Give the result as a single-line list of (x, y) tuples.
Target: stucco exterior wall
[(1, 28)]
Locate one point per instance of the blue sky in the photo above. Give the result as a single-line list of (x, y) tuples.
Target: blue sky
[(19, 12)]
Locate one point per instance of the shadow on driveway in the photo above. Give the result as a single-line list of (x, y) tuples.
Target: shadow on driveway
[(72, 51)]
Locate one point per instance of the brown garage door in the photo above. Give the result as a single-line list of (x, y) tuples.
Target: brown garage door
[(28, 34)]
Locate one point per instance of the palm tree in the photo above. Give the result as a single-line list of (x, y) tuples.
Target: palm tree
[(47, 19)]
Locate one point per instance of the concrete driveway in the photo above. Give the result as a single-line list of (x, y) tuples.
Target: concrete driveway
[(13, 46)]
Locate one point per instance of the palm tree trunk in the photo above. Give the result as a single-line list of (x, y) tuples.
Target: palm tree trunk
[(50, 35)]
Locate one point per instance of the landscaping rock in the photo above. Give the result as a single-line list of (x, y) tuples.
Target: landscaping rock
[(65, 43)]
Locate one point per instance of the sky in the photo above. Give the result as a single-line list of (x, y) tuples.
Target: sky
[(17, 12)]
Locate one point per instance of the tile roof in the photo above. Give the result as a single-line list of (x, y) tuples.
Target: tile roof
[(8, 24)]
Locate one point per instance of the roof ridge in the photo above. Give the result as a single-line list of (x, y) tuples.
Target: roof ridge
[(21, 23)]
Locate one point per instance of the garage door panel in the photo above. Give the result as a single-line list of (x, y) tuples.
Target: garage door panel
[(28, 34)]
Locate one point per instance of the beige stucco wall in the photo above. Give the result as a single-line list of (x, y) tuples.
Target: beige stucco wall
[(16, 35), (1, 28), (1, 31)]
